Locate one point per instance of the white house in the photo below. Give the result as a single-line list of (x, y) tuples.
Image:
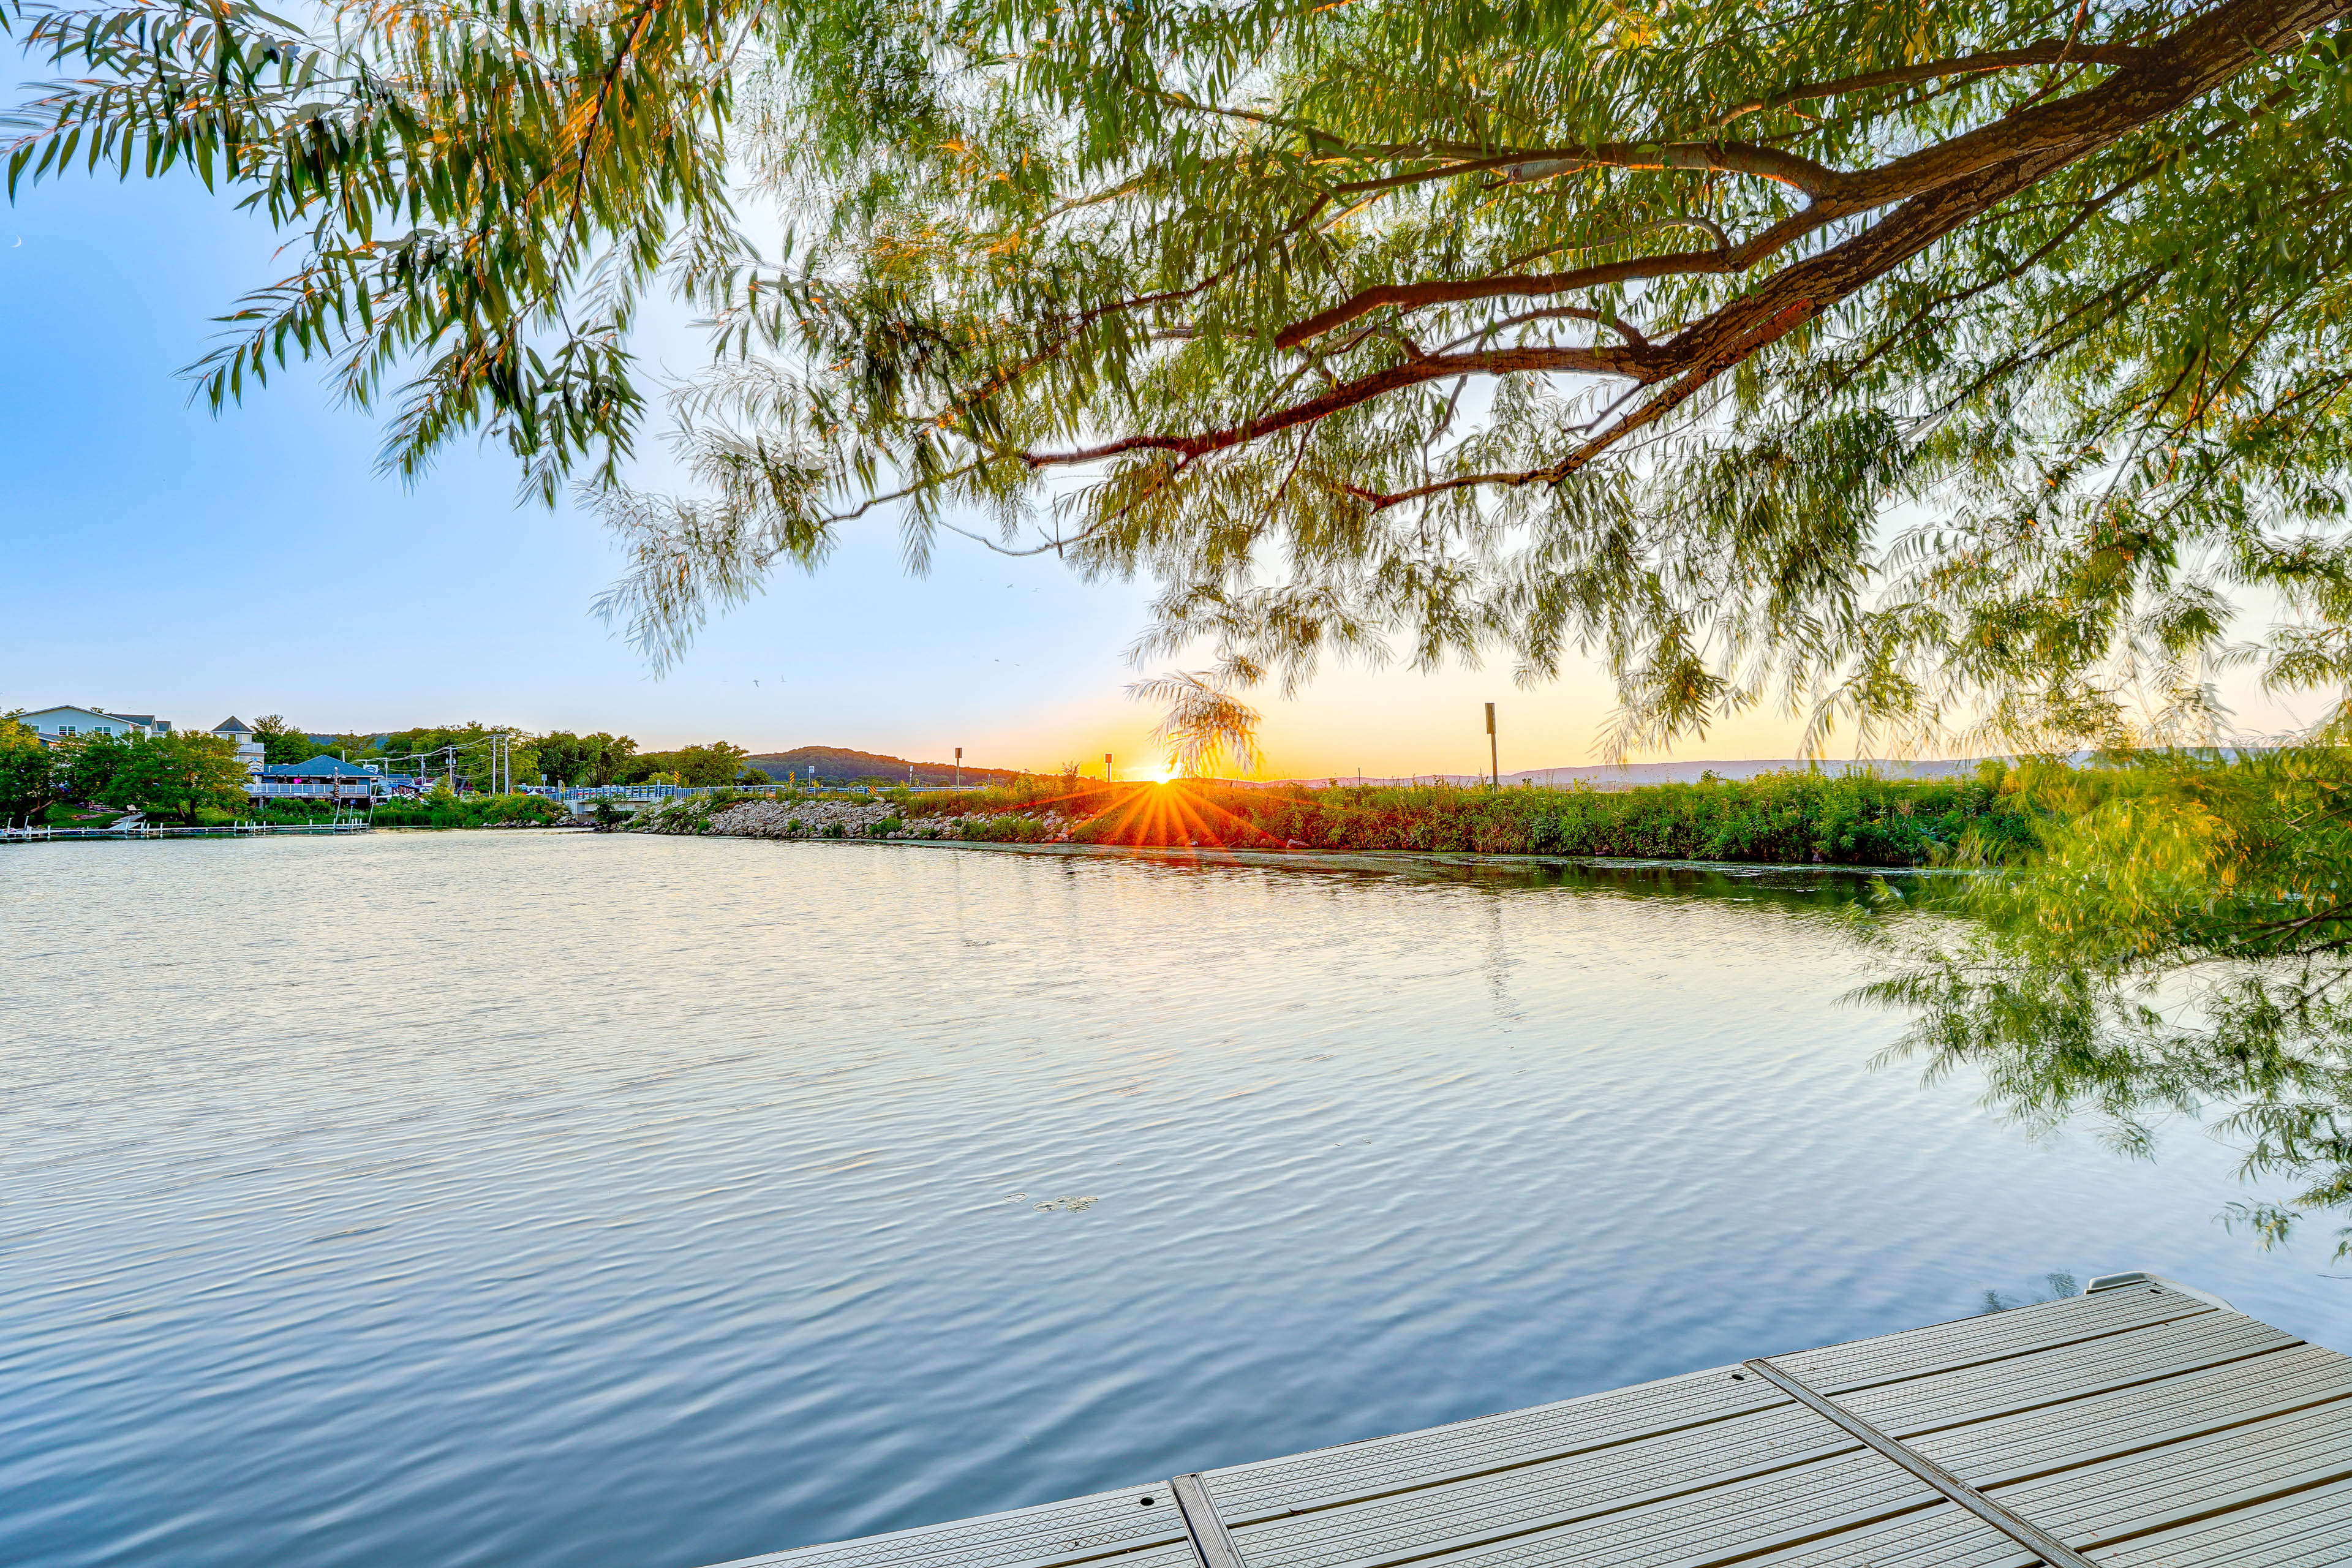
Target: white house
[(249, 748), (55, 724)]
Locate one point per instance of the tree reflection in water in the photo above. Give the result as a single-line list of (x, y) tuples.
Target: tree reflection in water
[(2177, 947)]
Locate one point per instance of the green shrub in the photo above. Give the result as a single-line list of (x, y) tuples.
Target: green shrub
[(1800, 817), (442, 809), (886, 827), (1003, 830)]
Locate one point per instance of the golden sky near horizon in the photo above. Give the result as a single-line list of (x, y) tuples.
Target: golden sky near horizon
[(1398, 722)]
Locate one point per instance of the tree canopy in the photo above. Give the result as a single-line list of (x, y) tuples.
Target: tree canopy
[(1910, 365), (165, 775), (2175, 945)]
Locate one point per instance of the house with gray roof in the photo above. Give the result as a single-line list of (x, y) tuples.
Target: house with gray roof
[(65, 722)]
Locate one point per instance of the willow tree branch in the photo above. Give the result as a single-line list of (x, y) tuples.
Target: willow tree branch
[(1414, 372), (1688, 263), (1980, 167), (2049, 52), (1523, 164)]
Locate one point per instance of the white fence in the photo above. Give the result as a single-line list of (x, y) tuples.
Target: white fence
[(274, 789)]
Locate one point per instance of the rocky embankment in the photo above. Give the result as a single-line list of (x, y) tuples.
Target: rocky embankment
[(792, 819), (828, 819)]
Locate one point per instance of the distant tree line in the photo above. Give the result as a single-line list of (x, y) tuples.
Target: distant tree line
[(465, 753)]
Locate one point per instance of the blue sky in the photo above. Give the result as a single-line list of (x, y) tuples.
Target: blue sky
[(166, 561)]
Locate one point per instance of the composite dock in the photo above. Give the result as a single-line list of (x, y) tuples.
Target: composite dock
[(2141, 1424), (44, 834)]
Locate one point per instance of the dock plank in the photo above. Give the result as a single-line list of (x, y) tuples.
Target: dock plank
[(2143, 1425), (1402, 1527), (1941, 1401), (1049, 1535), (1325, 1478), (2308, 1529)]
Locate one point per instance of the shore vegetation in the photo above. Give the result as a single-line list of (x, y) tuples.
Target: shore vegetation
[(1799, 817)]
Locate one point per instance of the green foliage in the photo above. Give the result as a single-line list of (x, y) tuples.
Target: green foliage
[(1003, 830), (443, 809), (85, 765), (696, 767), (281, 743), (432, 749), (179, 775), (886, 827), (2173, 939), (583, 761), (1785, 818), (1068, 794), (1206, 730), (27, 781), (165, 775), (1202, 293)]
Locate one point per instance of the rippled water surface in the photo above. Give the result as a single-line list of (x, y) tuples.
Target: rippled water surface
[(421, 1199)]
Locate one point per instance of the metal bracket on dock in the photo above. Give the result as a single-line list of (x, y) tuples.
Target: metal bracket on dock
[(2024, 1531), (1212, 1543)]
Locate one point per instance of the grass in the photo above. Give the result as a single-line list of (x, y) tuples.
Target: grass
[(1795, 818), (82, 817)]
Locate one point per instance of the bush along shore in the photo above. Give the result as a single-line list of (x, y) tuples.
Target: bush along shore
[(1796, 817), (852, 817), (441, 809)]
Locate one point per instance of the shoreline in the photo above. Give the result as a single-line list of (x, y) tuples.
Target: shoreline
[(1370, 859)]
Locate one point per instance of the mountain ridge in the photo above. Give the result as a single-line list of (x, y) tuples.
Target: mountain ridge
[(841, 764)]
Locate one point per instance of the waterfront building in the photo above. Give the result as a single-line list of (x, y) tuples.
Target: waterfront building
[(65, 722), (326, 779), (249, 748)]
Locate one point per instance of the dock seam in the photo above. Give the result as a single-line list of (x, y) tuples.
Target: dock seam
[(2024, 1531), (1212, 1543)]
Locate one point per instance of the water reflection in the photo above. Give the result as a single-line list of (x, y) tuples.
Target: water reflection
[(485, 1199)]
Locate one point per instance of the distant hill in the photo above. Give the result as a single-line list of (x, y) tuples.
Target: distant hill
[(839, 765)]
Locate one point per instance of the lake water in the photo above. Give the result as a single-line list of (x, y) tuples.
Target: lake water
[(421, 1200)]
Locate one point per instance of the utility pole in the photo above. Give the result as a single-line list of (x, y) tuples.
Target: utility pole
[(959, 767), (1494, 756)]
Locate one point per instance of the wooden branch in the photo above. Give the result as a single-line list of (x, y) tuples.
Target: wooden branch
[(2005, 157), (2049, 52), (1346, 394), (1940, 190), (1680, 264), (1525, 164)]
